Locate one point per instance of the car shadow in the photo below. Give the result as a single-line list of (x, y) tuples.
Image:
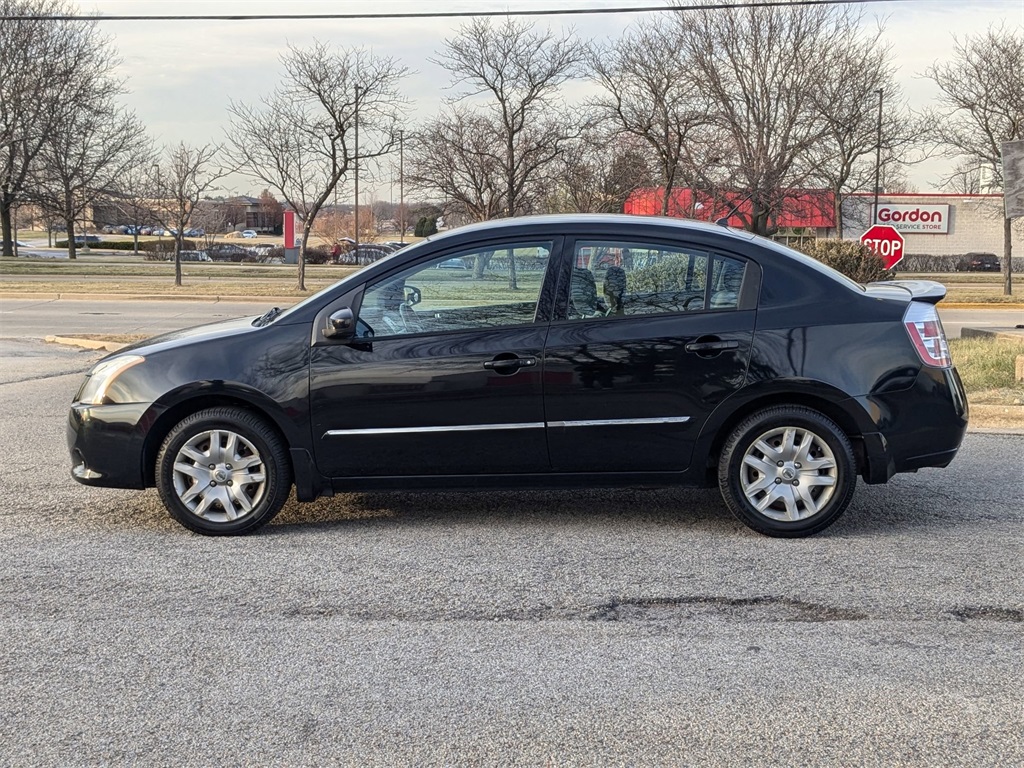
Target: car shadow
[(676, 507)]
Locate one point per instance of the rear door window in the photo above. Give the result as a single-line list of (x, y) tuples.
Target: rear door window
[(619, 279)]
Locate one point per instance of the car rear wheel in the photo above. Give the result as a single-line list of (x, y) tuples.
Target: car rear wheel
[(787, 471), (223, 471)]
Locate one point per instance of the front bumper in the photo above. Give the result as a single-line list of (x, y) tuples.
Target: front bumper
[(106, 444)]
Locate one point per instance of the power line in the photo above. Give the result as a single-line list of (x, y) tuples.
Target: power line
[(439, 14)]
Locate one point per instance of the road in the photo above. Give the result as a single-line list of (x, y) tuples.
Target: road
[(37, 318), (41, 317), (567, 628)]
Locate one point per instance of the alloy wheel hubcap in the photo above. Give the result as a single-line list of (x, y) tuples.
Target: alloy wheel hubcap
[(788, 474), (219, 476)]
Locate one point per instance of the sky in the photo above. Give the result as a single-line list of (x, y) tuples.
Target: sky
[(182, 74)]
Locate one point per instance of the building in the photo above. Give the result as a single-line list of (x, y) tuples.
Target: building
[(934, 224)]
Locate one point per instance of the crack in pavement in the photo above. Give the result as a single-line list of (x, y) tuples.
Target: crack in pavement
[(763, 609)]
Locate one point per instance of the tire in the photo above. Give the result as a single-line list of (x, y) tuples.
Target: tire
[(787, 472), (223, 472)]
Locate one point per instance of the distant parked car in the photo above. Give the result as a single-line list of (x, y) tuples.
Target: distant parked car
[(452, 264), (195, 232), (364, 254), (229, 252), (191, 256), (978, 262), (249, 233)]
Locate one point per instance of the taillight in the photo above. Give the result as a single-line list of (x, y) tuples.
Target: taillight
[(925, 330)]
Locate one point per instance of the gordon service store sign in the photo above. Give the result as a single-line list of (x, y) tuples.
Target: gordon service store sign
[(915, 218)]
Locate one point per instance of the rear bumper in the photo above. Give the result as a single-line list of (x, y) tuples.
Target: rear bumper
[(922, 426)]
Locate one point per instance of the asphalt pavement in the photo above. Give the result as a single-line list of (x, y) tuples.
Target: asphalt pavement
[(595, 627)]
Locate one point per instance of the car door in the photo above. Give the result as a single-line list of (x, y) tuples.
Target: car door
[(444, 375), (648, 337)]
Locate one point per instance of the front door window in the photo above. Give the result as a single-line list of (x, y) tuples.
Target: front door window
[(470, 290)]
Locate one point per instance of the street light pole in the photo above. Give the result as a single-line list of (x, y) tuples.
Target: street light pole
[(356, 172), (401, 186), (878, 156)]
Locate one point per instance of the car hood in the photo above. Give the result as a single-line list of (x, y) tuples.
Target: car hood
[(186, 336)]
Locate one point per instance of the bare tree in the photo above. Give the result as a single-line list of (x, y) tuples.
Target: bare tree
[(598, 173), (210, 218), (301, 139), (981, 105), (85, 160), (47, 67), (454, 155), (964, 179), (515, 71), (763, 67), (651, 93), (133, 194), (861, 79), (187, 174)]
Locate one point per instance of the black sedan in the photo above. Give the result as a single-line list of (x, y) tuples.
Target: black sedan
[(572, 351)]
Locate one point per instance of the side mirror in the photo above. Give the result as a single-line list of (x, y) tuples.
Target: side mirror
[(340, 325)]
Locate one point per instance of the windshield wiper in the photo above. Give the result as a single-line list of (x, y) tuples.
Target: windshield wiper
[(267, 316)]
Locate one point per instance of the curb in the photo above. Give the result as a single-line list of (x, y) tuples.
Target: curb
[(109, 346), (283, 300), (1011, 334), (978, 305)]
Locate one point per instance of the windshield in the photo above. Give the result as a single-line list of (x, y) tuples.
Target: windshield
[(276, 315)]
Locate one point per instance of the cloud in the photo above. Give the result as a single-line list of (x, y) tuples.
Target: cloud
[(182, 74)]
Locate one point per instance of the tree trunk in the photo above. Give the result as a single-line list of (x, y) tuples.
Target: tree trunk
[(177, 255), (301, 285), (70, 229), (1007, 253), (758, 217), (6, 204), (512, 283), (480, 264), (837, 211)]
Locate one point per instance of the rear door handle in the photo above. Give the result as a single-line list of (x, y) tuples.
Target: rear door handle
[(716, 345), (503, 364)]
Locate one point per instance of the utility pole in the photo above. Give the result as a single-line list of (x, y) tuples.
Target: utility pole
[(401, 186), (356, 174), (878, 157)]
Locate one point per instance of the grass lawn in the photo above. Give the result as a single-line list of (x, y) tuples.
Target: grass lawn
[(987, 367)]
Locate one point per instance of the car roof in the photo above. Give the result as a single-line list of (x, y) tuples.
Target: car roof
[(568, 221)]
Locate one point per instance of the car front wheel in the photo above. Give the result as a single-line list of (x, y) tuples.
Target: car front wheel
[(223, 471), (787, 471)]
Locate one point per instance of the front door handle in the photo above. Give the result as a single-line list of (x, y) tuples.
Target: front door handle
[(710, 345), (508, 363)]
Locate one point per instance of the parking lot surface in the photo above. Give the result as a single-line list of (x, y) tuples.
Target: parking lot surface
[(568, 628)]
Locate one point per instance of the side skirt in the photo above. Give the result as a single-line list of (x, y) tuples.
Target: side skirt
[(522, 482)]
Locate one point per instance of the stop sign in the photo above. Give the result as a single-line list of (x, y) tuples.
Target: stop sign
[(886, 242)]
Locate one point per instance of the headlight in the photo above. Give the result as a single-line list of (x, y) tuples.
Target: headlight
[(102, 376)]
